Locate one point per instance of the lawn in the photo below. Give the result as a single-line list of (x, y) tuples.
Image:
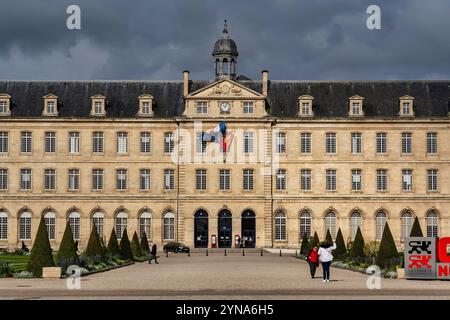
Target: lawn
[(16, 262)]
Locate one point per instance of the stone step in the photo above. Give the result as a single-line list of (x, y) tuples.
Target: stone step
[(229, 250)]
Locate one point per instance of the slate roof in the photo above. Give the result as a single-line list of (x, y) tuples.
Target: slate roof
[(330, 97)]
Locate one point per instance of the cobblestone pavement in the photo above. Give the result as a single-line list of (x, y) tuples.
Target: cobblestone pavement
[(222, 277)]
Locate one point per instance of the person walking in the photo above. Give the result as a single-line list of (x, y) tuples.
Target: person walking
[(325, 257), (153, 255), (313, 261)]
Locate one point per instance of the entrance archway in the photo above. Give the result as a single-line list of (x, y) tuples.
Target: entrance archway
[(248, 229), (201, 229), (225, 229)]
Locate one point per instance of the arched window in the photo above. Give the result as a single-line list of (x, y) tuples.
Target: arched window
[(50, 223), (380, 221), (305, 225), (97, 221), (355, 223), (280, 226), (432, 224), (169, 226), (3, 226), (74, 222), (121, 224), (406, 221), (25, 226), (145, 225), (330, 223)]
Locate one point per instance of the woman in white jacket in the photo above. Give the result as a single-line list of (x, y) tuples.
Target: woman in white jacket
[(325, 257)]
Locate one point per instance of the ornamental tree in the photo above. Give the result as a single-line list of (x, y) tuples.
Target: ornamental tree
[(41, 253), (125, 247), (136, 246), (341, 251), (304, 248), (416, 230), (94, 247), (358, 245), (387, 253), (144, 244), (67, 252), (113, 244)]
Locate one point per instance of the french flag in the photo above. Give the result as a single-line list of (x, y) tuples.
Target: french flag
[(220, 134)]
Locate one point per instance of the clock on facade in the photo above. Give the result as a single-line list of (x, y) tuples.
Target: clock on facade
[(225, 107)]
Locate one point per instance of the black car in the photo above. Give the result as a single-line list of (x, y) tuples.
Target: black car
[(176, 247)]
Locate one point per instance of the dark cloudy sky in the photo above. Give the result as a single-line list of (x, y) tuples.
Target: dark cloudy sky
[(157, 39)]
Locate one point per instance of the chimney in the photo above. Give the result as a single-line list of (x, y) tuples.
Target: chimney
[(185, 82), (265, 82)]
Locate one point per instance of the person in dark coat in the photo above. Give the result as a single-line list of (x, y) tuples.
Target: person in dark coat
[(313, 260), (153, 255)]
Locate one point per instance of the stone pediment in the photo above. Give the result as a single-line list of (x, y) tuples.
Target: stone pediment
[(225, 89)]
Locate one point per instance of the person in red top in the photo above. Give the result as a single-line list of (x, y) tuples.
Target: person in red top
[(313, 260)]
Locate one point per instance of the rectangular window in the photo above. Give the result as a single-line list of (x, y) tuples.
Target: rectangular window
[(382, 183), (168, 142), (381, 142), (25, 142), (200, 145), (169, 179), (50, 142), (280, 180), (305, 143), (248, 142), (432, 147), (3, 179), (97, 179), (145, 107), (49, 179), (248, 179), (202, 107), (51, 107), (74, 179), (406, 108), (248, 107), (146, 142), (122, 142), (121, 179), (98, 108), (305, 179), (356, 180), (3, 106), (200, 179), (330, 179), (97, 142), (74, 142), (281, 142), (25, 179), (406, 142), (356, 108), (305, 109), (224, 179), (3, 142), (145, 179), (330, 143), (432, 180), (356, 142), (407, 180)]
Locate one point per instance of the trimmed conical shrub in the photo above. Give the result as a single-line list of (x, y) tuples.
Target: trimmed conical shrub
[(329, 238), (113, 244), (125, 247), (67, 252), (314, 242), (358, 245), (387, 253), (304, 248), (94, 247), (341, 251), (416, 230), (41, 253), (136, 246), (144, 244)]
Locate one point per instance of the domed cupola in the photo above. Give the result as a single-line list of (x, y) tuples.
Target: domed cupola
[(225, 56)]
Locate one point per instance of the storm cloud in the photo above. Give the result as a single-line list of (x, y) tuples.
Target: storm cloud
[(157, 39)]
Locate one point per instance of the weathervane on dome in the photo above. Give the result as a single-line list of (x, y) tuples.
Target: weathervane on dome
[(225, 29)]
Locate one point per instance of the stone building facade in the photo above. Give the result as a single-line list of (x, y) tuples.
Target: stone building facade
[(299, 157)]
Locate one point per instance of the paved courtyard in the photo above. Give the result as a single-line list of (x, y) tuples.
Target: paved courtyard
[(222, 277)]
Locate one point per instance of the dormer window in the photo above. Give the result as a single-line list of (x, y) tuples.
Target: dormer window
[(406, 106), (98, 106), (145, 105), (356, 106), (305, 106), (50, 105), (202, 107), (248, 107), (5, 104)]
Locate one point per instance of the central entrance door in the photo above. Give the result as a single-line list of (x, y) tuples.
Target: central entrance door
[(248, 229), (224, 229), (201, 229)]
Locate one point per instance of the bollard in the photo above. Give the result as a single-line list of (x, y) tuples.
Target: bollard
[(167, 254), (206, 251), (280, 252), (225, 252), (295, 253), (261, 252), (189, 253), (243, 252)]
